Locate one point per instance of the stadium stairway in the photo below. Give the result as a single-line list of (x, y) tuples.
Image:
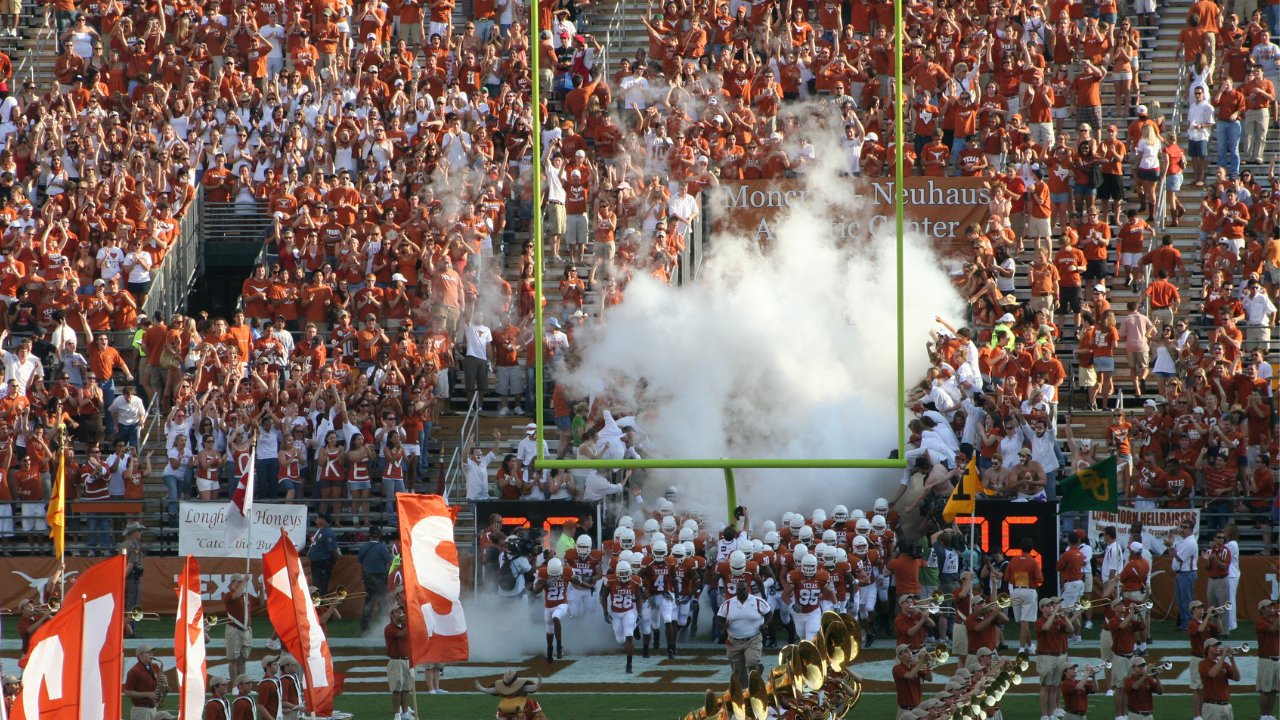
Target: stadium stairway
[(36, 45)]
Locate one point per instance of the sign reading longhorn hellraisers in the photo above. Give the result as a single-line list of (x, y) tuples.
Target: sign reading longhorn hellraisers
[(938, 208)]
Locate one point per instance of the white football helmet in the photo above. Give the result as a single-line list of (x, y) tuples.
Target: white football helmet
[(627, 522), (627, 556), (583, 544), (677, 552), (797, 522), (863, 527), (691, 524), (806, 534), (623, 571), (857, 515), (667, 509), (879, 524), (860, 545), (555, 567), (819, 517), (799, 551), (809, 565), (737, 561), (668, 525), (828, 556), (840, 513), (651, 527), (671, 493), (829, 537), (689, 549), (757, 546), (786, 518), (687, 535), (659, 549), (841, 555), (627, 539), (768, 526), (772, 539), (881, 506), (747, 549)]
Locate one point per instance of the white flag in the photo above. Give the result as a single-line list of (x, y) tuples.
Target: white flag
[(241, 500)]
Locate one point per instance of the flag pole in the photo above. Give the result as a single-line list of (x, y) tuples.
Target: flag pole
[(248, 533)]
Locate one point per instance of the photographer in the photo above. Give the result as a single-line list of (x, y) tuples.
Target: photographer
[(518, 561)]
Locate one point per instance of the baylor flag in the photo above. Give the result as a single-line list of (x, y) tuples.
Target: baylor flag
[(1093, 488)]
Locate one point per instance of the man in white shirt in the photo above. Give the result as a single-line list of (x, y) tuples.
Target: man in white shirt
[(479, 357), (1113, 559), (477, 468), (110, 258), (273, 33), (684, 208), (20, 365), (741, 617), (1259, 313), (1200, 124), (1185, 553), (129, 412), (528, 447)]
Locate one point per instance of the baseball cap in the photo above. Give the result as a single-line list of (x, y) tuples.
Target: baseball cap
[(398, 278), (1100, 288), (1150, 403), (1142, 110), (1138, 660), (221, 679), (1195, 604), (1265, 602), (983, 652), (531, 428), (1006, 318), (1211, 642), (143, 648), (268, 659), (1135, 547), (903, 648)]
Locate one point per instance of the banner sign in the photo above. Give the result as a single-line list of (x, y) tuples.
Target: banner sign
[(939, 208), (202, 529), (1156, 524), (1258, 582), (25, 578)]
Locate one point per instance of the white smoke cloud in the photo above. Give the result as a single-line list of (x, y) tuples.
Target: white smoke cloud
[(790, 353)]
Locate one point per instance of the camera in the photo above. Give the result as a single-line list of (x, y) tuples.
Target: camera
[(527, 540)]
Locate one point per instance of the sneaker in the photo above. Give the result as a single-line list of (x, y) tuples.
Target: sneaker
[(644, 653), (1075, 639), (505, 411), (1088, 624), (399, 717), (442, 691), (559, 653), (1059, 712), (273, 644), (1110, 692), (1032, 651), (518, 411)]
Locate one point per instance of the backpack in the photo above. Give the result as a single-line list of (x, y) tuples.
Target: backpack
[(506, 573)]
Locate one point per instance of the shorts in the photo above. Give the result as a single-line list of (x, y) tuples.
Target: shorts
[(554, 219), (1069, 299), (1072, 591), (10, 7), (1105, 643), (1038, 227), (1095, 270), (624, 625), (1196, 682), (1268, 675), (33, 517), (412, 450), (1027, 611), (1130, 259), (1104, 364), (564, 423), (1120, 667), (1138, 361), (959, 639), (1112, 187), (1144, 7), (356, 485), (1197, 148), (158, 376), (329, 484), (510, 379), (207, 485), (551, 614), (399, 675), (1050, 669), (1085, 189), (1173, 182), (606, 250), (1148, 175), (287, 484), (1091, 114), (576, 230), (1121, 76), (1060, 113), (239, 642), (1059, 198), (141, 288)]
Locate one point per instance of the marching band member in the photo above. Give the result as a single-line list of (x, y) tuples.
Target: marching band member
[(1052, 632), (142, 687), (291, 699), (399, 672), (962, 600), (552, 583), (619, 597), (1217, 671), (269, 689), (909, 675), (912, 623), (1199, 628), (1124, 625), (1267, 628), (12, 686), (238, 604), (1138, 688), (983, 627), (218, 707), (243, 707), (1075, 690)]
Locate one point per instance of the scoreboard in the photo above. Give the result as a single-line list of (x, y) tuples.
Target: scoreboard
[(1001, 525)]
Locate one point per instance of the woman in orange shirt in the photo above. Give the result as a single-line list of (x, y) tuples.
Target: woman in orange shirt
[(1105, 337)]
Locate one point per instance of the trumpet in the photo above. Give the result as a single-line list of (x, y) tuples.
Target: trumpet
[(1155, 670), (136, 614), (1142, 607), (1236, 649), (49, 607), (1091, 670), (337, 597), (1220, 609)]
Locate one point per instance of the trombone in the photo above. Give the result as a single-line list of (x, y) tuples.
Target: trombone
[(213, 621), (1078, 607), (136, 614), (1003, 602), (337, 597), (49, 607)]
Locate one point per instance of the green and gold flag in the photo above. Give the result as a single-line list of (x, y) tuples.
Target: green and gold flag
[(1094, 488)]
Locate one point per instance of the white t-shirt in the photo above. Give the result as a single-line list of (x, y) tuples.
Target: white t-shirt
[(273, 34), (114, 256), (744, 617), (140, 269)]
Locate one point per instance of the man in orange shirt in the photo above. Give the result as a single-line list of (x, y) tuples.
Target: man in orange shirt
[(103, 360), (1024, 576), (1086, 94), (1039, 209), (1230, 104)]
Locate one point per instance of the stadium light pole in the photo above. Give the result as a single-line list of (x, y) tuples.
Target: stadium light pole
[(727, 464)]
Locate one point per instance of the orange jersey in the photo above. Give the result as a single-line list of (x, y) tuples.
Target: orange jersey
[(583, 566), (623, 596), (839, 572), (729, 580), (659, 575), (684, 577), (553, 588), (862, 568), (807, 592)]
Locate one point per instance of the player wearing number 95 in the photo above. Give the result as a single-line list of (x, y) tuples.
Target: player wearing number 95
[(620, 597)]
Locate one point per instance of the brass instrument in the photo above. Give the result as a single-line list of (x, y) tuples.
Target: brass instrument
[(1003, 602), (931, 659), (50, 607), (213, 621), (136, 614), (1236, 649), (1091, 670), (162, 685), (337, 597), (1078, 607), (1219, 609), (1155, 670)]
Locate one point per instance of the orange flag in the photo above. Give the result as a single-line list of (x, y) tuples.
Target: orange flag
[(76, 663), (188, 643), (294, 617), (432, 579)]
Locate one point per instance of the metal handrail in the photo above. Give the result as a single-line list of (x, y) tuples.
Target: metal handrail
[(454, 468), (40, 48), (1162, 196), (615, 24)]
